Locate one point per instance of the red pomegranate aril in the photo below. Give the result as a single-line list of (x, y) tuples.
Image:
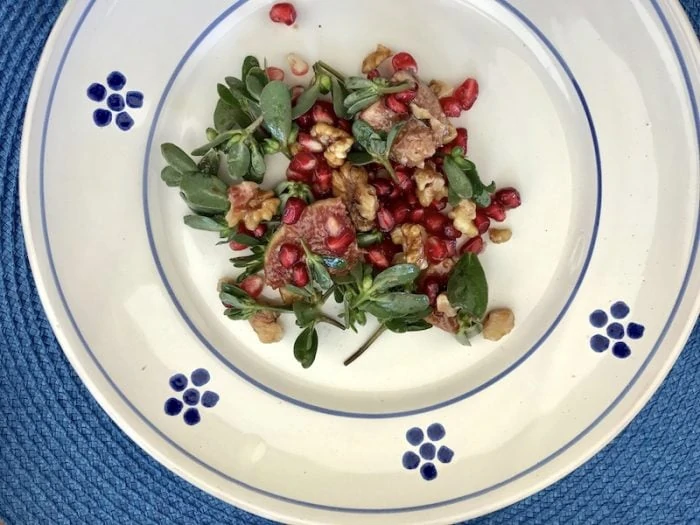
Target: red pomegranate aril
[(283, 13), (260, 231), (482, 222), (467, 93), (385, 220), (304, 162), (345, 125), (253, 285), (417, 215), (509, 198), (434, 222), (406, 97), (474, 245), (289, 255), (411, 199), (340, 243), (436, 249), (293, 210), (495, 211), (373, 74), (400, 211), (451, 232), (451, 247), (383, 188), (305, 121), (404, 61), (321, 191), (300, 275), (461, 140), (451, 106), (431, 288), (237, 246), (323, 174), (297, 65), (322, 111), (395, 105), (378, 258), (439, 205), (309, 143), (405, 182), (296, 176), (274, 73)]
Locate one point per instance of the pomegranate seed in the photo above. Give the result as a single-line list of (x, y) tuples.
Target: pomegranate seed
[(434, 222), (340, 243), (411, 200), (431, 288), (309, 143), (289, 255), (404, 61), (385, 220), (461, 140), (495, 211), (306, 121), (260, 231), (395, 105), (400, 211), (451, 247), (297, 176), (283, 13), (297, 65), (293, 210), (373, 74), (436, 249), (323, 174), (405, 182), (322, 111), (274, 73), (482, 222), (407, 96), (451, 106), (383, 188), (300, 275), (417, 215), (467, 93), (253, 285), (451, 232), (297, 91), (509, 198), (237, 246), (439, 205), (321, 191), (378, 258), (345, 125), (304, 162), (474, 245)]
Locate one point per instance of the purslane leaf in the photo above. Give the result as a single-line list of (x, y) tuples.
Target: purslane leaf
[(467, 288)]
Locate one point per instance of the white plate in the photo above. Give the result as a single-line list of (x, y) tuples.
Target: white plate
[(590, 108)]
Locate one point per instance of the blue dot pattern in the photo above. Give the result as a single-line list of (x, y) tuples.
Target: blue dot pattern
[(615, 331), (445, 454), (428, 471), (436, 432), (102, 117), (124, 121), (410, 460), (134, 99), (191, 397), (116, 81), (414, 436), (115, 102), (427, 451), (97, 92)]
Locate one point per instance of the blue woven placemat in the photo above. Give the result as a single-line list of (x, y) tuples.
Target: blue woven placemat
[(63, 461)]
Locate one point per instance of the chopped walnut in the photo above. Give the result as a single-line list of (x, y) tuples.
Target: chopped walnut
[(250, 205), (336, 141), (441, 89), (498, 324), (375, 58), (443, 306), (289, 297), (351, 185), (267, 326), (430, 186), (500, 235), (463, 215), (412, 239)]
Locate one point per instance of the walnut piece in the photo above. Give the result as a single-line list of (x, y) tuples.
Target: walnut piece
[(443, 306), (375, 58), (250, 205), (430, 186), (267, 326), (463, 215), (498, 324), (412, 238), (336, 141), (500, 235), (351, 185), (441, 89)]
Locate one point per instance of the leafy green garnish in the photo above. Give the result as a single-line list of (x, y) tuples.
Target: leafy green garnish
[(276, 106), (464, 181), (364, 92), (377, 145), (467, 288)]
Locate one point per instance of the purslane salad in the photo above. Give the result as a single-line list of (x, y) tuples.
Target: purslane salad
[(381, 210)]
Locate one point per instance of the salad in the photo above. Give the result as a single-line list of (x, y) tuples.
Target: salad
[(381, 212)]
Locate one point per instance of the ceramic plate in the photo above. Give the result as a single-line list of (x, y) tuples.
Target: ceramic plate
[(590, 108)]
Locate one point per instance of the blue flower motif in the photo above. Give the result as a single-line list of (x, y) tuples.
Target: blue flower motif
[(116, 103), (427, 451), (191, 397), (614, 331)]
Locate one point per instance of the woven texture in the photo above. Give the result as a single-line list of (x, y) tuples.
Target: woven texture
[(63, 461)]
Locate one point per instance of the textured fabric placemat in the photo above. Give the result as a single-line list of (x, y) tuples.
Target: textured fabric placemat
[(63, 461)]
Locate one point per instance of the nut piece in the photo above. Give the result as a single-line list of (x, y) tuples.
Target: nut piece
[(500, 235), (441, 89), (375, 58), (336, 141), (412, 238), (430, 186), (351, 185), (251, 205), (498, 324), (267, 326), (463, 216), (443, 306)]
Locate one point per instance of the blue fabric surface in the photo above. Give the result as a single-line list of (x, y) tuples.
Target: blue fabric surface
[(62, 460)]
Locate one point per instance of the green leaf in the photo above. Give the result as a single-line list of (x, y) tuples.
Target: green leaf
[(402, 326), (458, 181), (255, 82), (339, 94), (208, 224), (306, 347), (355, 83), (393, 133), (227, 118), (467, 288), (257, 164), (177, 158), (306, 101), (301, 292), (397, 304), (334, 263), (238, 162), (318, 273), (233, 301), (395, 276), (226, 95), (276, 106), (366, 136), (360, 158), (235, 84), (205, 194), (249, 63), (365, 240), (306, 313), (220, 139), (209, 164), (171, 176), (362, 101), (246, 240)]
